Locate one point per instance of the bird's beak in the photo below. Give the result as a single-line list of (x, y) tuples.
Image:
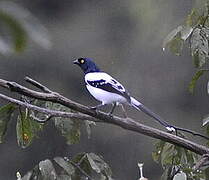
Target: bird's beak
[(76, 62)]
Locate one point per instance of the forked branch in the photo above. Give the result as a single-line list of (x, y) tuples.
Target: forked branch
[(87, 114)]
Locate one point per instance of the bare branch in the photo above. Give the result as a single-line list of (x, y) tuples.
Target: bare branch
[(38, 85), (53, 113), (201, 162), (97, 116), (57, 98), (41, 120)]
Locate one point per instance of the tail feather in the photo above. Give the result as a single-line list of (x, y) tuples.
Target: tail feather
[(139, 106)]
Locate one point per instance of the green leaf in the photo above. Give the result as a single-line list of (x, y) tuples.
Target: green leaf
[(205, 120), (167, 173), (89, 125), (17, 26), (207, 173), (176, 44), (70, 129), (82, 160), (167, 154), (65, 165), (199, 46), (175, 39), (192, 18), (156, 154), (47, 170), (193, 82), (63, 177), (26, 128), (172, 35), (99, 165), (28, 176), (91, 162), (17, 32), (186, 32), (5, 115)]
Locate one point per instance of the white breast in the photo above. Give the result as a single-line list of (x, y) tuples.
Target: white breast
[(99, 94)]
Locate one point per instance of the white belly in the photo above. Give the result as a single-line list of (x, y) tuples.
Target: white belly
[(104, 96)]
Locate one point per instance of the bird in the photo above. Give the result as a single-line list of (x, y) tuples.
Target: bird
[(108, 90)]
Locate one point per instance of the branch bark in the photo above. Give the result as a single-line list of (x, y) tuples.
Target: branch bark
[(88, 114)]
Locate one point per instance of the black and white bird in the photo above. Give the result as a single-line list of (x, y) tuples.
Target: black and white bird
[(107, 90)]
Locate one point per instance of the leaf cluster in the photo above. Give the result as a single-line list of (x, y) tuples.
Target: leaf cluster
[(194, 32), (82, 166), (27, 127), (177, 162)]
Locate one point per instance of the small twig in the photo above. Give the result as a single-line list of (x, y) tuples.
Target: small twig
[(38, 85), (190, 132), (53, 113), (201, 162), (81, 170), (41, 120)]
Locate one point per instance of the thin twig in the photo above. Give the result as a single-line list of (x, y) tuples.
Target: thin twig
[(50, 112), (41, 120), (191, 132), (38, 85), (201, 162)]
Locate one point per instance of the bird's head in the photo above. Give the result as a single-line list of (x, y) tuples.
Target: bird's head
[(87, 65)]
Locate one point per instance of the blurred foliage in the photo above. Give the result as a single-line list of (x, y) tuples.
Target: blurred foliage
[(18, 25), (70, 128), (29, 123), (195, 33), (177, 162), (82, 166), (5, 116)]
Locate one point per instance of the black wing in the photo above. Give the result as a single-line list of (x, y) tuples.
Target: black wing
[(113, 87)]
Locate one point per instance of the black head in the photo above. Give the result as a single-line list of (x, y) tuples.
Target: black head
[(87, 65)]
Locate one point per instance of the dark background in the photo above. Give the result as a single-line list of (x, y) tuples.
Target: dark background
[(125, 39)]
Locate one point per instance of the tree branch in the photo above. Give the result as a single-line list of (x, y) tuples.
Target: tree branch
[(201, 162), (57, 98), (37, 84), (91, 115)]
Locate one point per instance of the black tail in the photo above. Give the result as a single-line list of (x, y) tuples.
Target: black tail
[(143, 108)]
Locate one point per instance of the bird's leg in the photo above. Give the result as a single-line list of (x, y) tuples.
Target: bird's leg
[(113, 108), (124, 111), (96, 107)]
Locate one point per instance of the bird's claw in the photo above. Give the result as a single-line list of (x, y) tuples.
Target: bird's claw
[(93, 108), (110, 115)]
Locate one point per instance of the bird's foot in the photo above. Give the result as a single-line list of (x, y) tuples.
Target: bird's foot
[(93, 108), (110, 115)]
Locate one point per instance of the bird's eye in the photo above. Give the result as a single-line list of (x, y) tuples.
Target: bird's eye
[(82, 61)]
